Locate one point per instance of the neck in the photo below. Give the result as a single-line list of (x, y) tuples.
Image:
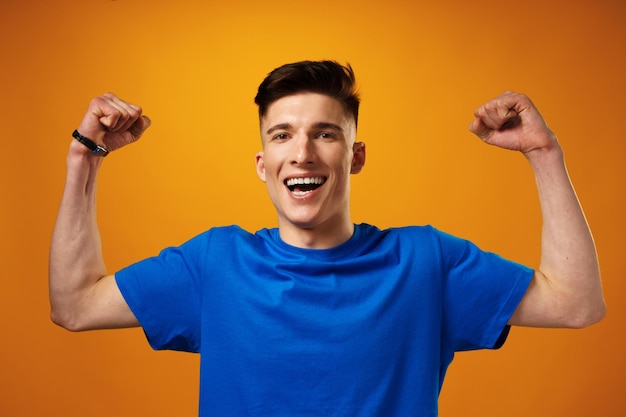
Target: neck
[(319, 237)]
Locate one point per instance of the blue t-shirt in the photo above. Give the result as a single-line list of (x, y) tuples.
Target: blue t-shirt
[(367, 328)]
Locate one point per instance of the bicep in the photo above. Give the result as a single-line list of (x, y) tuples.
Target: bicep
[(541, 305), (106, 307)]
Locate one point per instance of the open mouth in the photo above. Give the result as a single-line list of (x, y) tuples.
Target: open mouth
[(303, 186)]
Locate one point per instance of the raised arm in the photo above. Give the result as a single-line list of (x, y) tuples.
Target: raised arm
[(82, 295), (566, 290)]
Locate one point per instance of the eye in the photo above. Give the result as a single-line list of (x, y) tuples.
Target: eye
[(280, 136), (326, 135)]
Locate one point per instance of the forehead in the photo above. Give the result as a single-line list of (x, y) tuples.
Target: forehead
[(306, 109)]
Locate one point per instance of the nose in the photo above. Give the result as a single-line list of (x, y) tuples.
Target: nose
[(304, 150)]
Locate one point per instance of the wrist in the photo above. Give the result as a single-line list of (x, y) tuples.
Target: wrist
[(543, 158), (79, 154), (90, 144)]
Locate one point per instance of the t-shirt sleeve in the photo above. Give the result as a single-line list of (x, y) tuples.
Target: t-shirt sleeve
[(163, 292), (481, 292)]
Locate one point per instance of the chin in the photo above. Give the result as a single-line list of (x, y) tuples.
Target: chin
[(303, 221)]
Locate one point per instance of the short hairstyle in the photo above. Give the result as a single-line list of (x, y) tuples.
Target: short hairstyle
[(322, 77)]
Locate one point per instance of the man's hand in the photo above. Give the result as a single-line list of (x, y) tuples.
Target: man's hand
[(112, 122), (511, 121)]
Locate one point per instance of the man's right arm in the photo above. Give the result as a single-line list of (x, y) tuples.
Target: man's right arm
[(83, 295)]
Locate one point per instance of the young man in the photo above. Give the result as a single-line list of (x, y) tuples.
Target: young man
[(321, 316)]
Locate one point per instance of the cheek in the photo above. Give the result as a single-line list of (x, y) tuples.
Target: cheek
[(347, 164), (268, 171)]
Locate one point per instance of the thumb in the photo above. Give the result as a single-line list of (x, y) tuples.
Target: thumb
[(140, 126), (478, 128)]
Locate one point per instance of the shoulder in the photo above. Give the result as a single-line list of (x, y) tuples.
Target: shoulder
[(427, 241), (413, 239), (220, 234), (215, 240), (404, 233)]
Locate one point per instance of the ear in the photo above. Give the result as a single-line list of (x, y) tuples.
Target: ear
[(358, 158), (260, 166)]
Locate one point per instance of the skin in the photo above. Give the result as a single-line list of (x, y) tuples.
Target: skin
[(83, 295), (566, 290), (308, 135)]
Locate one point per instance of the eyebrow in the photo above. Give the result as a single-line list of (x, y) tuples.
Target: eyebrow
[(318, 125), (280, 126)]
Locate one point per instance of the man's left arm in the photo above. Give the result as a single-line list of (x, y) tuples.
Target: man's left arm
[(566, 290)]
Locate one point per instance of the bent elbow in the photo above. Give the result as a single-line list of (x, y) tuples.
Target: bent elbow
[(66, 320), (61, 320), (589, 316)]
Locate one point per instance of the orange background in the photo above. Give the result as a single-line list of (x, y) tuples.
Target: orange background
[(423, 66)]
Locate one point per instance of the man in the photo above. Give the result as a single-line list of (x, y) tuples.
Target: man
[(321, 316)]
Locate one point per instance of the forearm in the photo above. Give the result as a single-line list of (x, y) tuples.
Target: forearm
[(569, 262), (76, 261)]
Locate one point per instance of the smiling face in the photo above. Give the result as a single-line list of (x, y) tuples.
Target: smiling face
[(309, 153)]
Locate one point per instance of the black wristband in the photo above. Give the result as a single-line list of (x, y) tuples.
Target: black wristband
[(97, 149)]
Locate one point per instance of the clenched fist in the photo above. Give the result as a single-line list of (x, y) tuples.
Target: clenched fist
[(511, 121), (112, 123)]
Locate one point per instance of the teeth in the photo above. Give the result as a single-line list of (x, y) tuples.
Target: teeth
[(300, 193), (302, 181)]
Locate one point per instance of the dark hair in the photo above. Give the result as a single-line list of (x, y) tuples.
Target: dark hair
[(323, 77)]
